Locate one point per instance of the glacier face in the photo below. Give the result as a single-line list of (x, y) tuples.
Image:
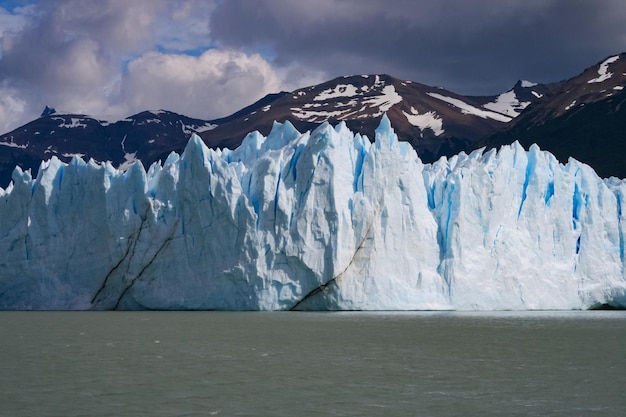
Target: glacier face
[(320, 220)]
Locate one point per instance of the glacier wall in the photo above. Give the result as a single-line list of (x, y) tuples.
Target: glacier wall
[(320, 220)]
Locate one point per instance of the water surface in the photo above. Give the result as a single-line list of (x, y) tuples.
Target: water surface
[(311, 364)]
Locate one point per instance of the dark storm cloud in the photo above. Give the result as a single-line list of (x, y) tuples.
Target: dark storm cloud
[(472, 47)]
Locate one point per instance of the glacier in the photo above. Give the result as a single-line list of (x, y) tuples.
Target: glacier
[(322, 220)]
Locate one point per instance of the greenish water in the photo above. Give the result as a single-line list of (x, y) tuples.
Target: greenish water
[(312, 364)]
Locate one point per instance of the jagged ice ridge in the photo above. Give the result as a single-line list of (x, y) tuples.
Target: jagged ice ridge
[(320, 220)]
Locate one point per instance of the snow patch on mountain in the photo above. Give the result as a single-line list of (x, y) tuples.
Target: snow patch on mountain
[(147, 121), (603, 70), (365, 102), (385, 101), (73, 123), (73, 155), (508, 104), (429, 120), (129, 159), (527, 84), (199, 129), (341, 90), (469, 109), (318, 116), (13, 145)]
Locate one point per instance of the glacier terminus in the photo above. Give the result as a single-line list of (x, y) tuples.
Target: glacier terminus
[(322, 220)]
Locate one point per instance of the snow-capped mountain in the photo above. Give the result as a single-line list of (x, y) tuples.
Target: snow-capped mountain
[(322, 220), (583, 117), (512, 102), (149, 136), (436, 122)]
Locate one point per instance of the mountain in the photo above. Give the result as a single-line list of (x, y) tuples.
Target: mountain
[(514, 101), (324, 220), (436, 122), (583, 118), (148, 136)]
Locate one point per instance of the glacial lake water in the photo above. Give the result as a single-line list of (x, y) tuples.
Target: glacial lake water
[(312, 364)]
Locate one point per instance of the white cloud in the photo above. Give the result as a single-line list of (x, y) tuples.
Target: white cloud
[(215, 84), (297, 76), (100, 58), (11, 106)]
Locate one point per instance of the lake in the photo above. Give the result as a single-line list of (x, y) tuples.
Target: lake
[(312, 364)]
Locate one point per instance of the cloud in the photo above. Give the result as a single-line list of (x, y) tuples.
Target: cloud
[(214, 84), (186, 26), (208, 58), (11, 22), (11, 104), (471, 47), (66, 53), (112, 58)]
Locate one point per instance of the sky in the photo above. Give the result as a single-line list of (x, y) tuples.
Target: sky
[(209, 58)]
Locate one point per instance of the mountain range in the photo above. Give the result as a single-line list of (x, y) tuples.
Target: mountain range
[(582, 117)]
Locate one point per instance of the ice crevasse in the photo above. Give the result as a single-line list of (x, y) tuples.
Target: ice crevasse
[(322, 220)]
